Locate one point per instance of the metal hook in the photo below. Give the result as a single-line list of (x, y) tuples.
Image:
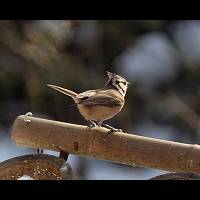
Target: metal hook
[(28, 114)]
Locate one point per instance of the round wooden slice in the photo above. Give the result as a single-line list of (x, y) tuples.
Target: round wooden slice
[(177, 176), (37, 167)]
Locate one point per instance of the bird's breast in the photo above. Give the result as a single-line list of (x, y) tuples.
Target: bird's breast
[(99, 112)]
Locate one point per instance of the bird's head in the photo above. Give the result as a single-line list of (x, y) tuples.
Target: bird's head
[(118, 82)]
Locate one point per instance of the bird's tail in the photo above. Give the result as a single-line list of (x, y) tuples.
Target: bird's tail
[(64, 91)]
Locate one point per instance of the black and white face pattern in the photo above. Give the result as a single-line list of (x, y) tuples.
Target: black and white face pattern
[(118, 82)]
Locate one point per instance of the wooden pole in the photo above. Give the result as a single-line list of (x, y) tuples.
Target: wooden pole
[(118, 147)]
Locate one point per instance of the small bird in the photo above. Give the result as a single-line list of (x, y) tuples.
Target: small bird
[(99, 105)]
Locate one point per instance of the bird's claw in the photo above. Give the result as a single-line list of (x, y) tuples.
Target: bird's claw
[(112, 130), (92, 125)]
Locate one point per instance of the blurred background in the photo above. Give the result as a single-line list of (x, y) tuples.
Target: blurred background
[(160, 58)]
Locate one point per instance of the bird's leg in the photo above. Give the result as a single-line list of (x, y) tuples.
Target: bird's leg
[(99, 123), (91, 125), (112, 130)]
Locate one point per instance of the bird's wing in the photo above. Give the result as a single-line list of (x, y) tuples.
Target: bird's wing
[(101, 99), (86, 94)]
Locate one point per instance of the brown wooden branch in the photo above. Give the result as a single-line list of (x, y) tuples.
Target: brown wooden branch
[(119, 147)]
